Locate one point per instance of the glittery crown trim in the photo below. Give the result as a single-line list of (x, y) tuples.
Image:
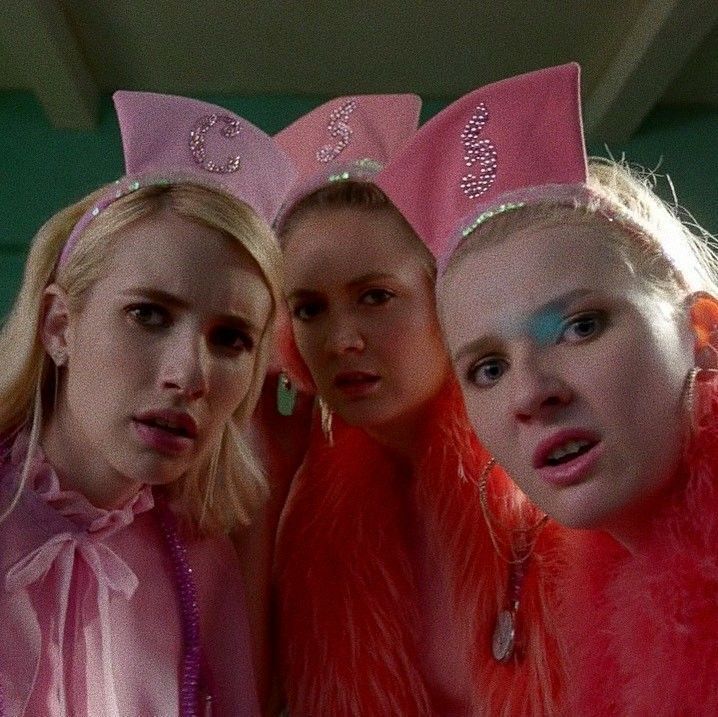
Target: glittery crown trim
[(364, 169), (127, 185), (572, 196)]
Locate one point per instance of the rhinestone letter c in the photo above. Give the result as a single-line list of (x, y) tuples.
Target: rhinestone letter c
[(197, 143)]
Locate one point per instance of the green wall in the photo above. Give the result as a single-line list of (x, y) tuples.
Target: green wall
[(44, 169)]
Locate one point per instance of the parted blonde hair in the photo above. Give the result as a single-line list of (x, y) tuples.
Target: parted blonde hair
[(223, 492), (350, 194)]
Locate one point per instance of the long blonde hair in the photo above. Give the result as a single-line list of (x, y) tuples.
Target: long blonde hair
[(218, 495)]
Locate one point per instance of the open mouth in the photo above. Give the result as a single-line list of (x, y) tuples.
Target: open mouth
[(568, 452), (355, 378), (173, 428), (568, 457), (170, 423)]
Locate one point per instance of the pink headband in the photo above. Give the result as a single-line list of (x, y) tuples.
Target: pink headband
[(168, 139), (499, 147), (347, 138)]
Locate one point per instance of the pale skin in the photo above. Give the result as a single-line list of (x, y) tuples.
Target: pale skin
[(552, 334), (157, 332), (362, 308)]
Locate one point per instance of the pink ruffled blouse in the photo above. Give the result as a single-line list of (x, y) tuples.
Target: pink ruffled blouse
[(89, 612)]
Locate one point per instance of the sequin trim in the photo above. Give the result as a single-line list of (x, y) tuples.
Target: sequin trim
[(339, 129), (484, 216), (199, 150), (360, 168), (105, 202), (478, 150), (369, 165)]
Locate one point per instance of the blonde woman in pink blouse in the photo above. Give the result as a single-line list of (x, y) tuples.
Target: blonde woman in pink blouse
[(134, 354)]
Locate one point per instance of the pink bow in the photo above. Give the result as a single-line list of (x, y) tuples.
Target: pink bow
[(112, 574)]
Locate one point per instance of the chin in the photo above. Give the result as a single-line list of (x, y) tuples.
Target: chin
[(360, 418), (155, 474), (583, 515)]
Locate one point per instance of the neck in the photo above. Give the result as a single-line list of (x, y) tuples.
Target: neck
[(76, 470), (635, 527), (401, 436)]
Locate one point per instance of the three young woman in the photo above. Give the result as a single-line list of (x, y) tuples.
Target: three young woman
[(581, 318), (132, 358)]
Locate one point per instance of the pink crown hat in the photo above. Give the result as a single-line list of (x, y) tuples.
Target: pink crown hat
[(348, 137), (166, 138), (499, 147)]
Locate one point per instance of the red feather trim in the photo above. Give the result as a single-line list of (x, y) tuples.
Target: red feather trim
[(348, 604), (642, 630)]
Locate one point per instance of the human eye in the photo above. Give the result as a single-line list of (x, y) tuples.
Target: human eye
[(376, 297), (150, 315), (231, 338), (486, 372), (307, 310), (583, 326)]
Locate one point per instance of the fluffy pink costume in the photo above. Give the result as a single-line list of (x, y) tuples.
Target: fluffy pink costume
[(642, 630), (349, 602)]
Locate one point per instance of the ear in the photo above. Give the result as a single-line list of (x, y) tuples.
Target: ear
[(55, 324), (704, 321)]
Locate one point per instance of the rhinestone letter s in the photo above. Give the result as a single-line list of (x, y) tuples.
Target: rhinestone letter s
[(199, 151), (478, 150), (338, 128)]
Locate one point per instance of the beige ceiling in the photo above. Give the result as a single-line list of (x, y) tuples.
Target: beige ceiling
[(635, 53)]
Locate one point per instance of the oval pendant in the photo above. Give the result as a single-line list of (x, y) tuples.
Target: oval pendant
[(502, 644)]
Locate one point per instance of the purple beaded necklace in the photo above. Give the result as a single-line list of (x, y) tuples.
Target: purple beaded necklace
[(190, 685)]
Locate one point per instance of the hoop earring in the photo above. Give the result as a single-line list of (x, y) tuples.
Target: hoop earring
[(689, 398), (326, 416), (505, 642)]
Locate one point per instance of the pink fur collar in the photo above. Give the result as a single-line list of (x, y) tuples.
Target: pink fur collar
[(642, 630), (348, 605)]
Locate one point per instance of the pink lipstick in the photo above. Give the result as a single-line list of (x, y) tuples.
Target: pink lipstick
[(567, 457)]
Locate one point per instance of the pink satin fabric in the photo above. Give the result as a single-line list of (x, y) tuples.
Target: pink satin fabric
[(90, 613)]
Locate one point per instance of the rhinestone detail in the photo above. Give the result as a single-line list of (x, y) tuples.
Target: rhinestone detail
[(478, 150), (338, 128), (508, 207), (359, 169), (199, 150)]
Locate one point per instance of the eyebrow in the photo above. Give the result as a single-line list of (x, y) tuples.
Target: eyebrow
[(358, 281), (174, 301), (555, 306)]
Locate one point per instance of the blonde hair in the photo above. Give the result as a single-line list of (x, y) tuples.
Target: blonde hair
[(657, 244), (224, 491), (350, 194)]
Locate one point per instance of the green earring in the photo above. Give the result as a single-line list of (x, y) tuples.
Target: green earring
[(286, 395)]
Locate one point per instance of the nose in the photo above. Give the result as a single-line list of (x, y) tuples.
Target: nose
[(539, 393), (343, 336), (186, 366)]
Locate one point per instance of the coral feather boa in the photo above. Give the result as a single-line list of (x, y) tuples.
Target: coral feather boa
[(347, 595), (643, 628)]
